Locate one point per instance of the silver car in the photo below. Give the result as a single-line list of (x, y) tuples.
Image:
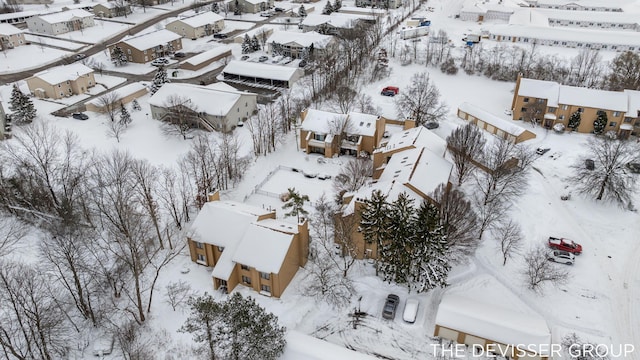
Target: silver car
[(562, 257)]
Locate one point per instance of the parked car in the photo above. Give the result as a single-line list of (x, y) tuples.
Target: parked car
[(387, 93), (79, 57), (160, 62), (263, 58), (410, 310), (220, 36), (432, 125), (565, 245), (244, 57), (390, 89), (266, 14), (634, 167), (287, 60), (542, 151), (562, 257), (302, 63), (277, 59), (390, 306), (79, 116), (589, 164), (278, 9), (179, 55)]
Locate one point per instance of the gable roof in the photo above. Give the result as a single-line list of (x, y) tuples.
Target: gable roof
[(338, 20), (260, 70), (207, 55), (60, 74), (8, 29), (491, 119), (205, 18), (264, 248), (200, 96), (109, 5), (540, 89), (151, 40), (120, 93), (362, 124), (416, 137), (320, 121), (65, 16), (302, 39)]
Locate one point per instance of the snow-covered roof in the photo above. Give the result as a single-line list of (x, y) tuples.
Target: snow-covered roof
[(634, 102), (64, 16), (121, 93), (494, 322), (200, 96), (591, 16), (305, 347), (256, 2), (8, 29), (362, 124), (416, 137), (599, 99), (540, 89), (318, 40), (362, 10), (584, 3), (60, 74), (222, 223), (338, 20), (491, 119), (107, 4), (319, 121), (259, 70), (151, 40), (264, 248), (529, 16), (19, 14), (207, 55), (220, 86), (567, 34), (202, 19)]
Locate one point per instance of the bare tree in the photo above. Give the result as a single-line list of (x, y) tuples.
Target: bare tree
[(12, 231), (110, 102), (345, 97), (177, 293), (421, 101), (181, 116), (466, 144), (459, 222), (509, 238), (609, 179), (146, 188), (353, 175), (586, 69), (133, 342), (174, 193), (624, 72), (115, 129), (538, 270)]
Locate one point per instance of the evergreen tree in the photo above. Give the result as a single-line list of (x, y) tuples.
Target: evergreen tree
[(22, 107), (7, 127), (574, 121), (203, 322), (159, 79), (118, 57), (125, 117), (246, 45), (430, 261), (374, 220), (276, 48), (135, 106), (600, 123), (295, 203), (255, 44), (302, 12), (337, 4), (236, 8), (328, 9), (215, 8), (396, 254)]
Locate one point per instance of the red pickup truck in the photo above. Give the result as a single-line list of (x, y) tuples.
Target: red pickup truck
[(565, 245)]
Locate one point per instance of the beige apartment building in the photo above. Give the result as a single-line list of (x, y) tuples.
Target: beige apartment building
[(10, 37), (144, 48), (62, 81), (194, 27)]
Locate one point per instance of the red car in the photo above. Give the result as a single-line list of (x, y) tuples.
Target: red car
[(565, 245), (390, 91)]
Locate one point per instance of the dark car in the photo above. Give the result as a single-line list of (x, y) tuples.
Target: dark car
[(179, 55), (302, 63), (390, 306), (244, 57), (278, 9), (432, 125), (589, 164), (263, 58), (542, 151), (388, 93), (634, 167), (79, 57), (79, 116), (220, 36)]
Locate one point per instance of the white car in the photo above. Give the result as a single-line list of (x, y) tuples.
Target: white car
[(410, 310), (266, 14), (563, 257)]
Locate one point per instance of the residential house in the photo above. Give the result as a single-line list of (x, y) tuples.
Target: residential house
[(61, 22), (560, 102), (252, 6), (330, 133), (247, 245), (583, 5), (334, 23), (380, 4), (261, 74), (10, 37), (122, 96), (474, 10), (220, 54), (504, 129), (217, 107), (147, 47), (418, 172), (412, 138), (298, 45), (469, 317), (62, 81), (111, 9), (193, 27)]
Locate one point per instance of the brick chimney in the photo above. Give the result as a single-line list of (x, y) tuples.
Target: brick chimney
[(213, 196)]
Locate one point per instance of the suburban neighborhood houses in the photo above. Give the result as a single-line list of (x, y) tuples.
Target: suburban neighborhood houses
[(335, 179)]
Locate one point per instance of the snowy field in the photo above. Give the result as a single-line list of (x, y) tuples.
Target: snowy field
[(28, 56)]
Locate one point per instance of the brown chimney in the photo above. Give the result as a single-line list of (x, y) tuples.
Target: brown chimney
[(213, 196)]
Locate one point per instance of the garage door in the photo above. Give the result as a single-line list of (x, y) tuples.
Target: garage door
[(490, 128), (447, 334), (474, 340), (511, 138), (500, 134), (480, 124)]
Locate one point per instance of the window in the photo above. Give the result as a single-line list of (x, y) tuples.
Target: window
[(319, 137), (129, 51), (552, 109), (59, 85), (580, 110), (201, 258), (266, 288), (524, 110), (265, 276), (525, 100), (246, 280), (244, 267), (616, 113), (561, 117), (628, 119), (565, 107), (145, 52), (613, 123), (199, 245), (221, 248), (540, 101)]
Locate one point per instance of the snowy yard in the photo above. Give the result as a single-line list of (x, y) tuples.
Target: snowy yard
[(28, 56)]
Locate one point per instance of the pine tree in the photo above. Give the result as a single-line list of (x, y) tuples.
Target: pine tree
[(328, 9), (29, 110), (600, 123), (395, 255), (22, 107), (374, 221), (7, 127), (135, 106), (159, 79), (236, 8), (255, 44), (302, 12), (203, 322), (15, 103), (215, 8), (246, 45), (118, 57), (295, 203), (337, 4), (430, 262), (125, 117), (574, 121)]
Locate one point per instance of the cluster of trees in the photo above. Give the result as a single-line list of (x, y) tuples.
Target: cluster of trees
[(330, 8), (159, 79), (250, 45), (118, 57)]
